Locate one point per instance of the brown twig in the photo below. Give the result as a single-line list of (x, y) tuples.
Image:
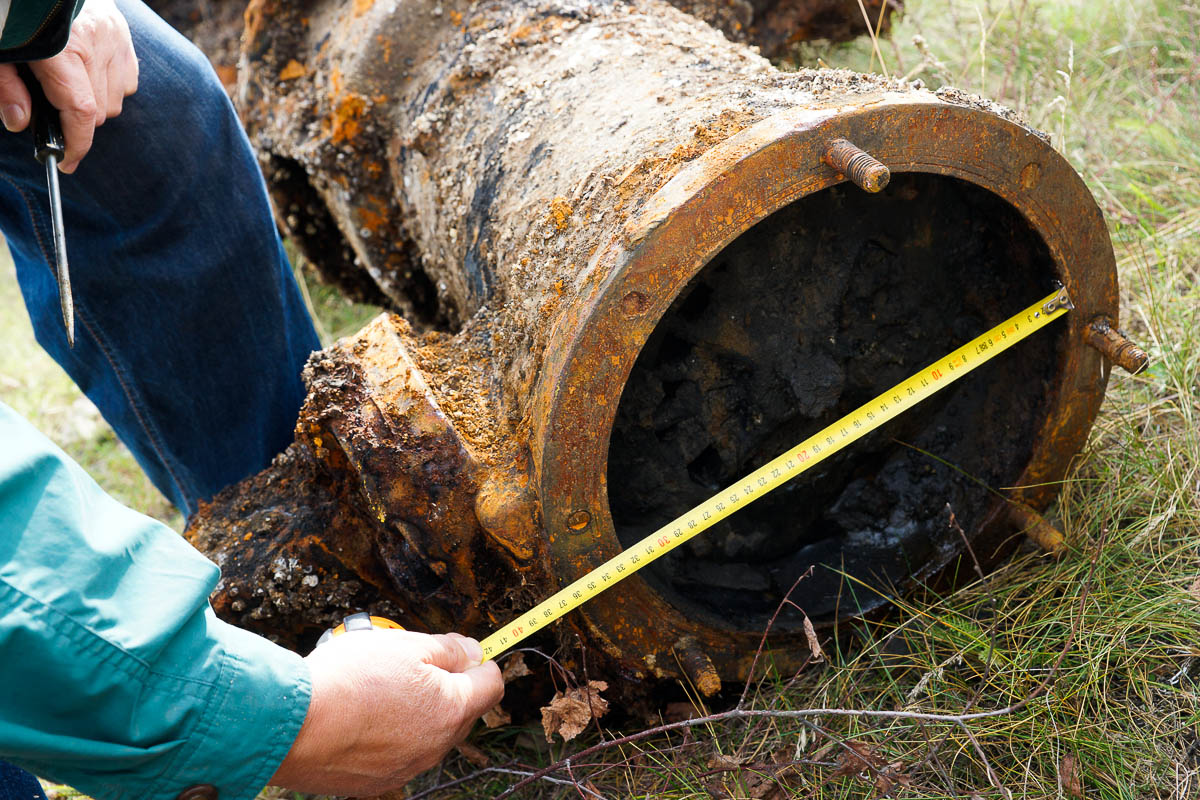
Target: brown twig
[(767, 630), (587, 687)]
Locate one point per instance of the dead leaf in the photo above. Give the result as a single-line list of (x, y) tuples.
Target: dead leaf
[(722, 761), (890, 777), (857, 757), (1194, 590), (813, 645), (568, 714), (758, 786), (515, 667), (1068, 775), (496, 717), (473, 754), (716, 789)]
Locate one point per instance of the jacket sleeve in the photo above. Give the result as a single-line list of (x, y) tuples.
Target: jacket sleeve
[(35, 29), (115, 676)]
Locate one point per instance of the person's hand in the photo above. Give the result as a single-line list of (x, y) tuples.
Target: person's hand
[(386, 705), (87, 82)]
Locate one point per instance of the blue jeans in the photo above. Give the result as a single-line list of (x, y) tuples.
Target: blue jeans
[(190, 329), (17, 784)]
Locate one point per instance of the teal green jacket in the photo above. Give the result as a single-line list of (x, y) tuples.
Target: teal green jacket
[(34, 29), (116, 677)]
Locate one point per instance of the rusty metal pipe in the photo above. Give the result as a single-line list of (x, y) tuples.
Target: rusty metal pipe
[(649, 280)]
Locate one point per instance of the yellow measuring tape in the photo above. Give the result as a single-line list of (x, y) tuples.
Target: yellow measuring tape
[(812, 450)]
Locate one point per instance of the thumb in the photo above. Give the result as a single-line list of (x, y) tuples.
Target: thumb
[(452, 652), (481, 688), (14, 99)]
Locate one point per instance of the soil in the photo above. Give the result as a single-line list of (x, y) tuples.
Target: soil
[(803, 318)]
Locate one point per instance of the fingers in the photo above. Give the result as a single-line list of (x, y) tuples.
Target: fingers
[(87, 82), (14, 99), (385, 706), (68, 87), (452, 652)]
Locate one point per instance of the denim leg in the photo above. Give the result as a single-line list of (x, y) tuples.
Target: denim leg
[(17, 784), (190, 329)]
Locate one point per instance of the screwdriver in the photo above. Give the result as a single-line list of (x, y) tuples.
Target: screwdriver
[(49, 147)]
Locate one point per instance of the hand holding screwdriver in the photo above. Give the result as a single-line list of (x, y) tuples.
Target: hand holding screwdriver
[(49, 147), (88, 82)]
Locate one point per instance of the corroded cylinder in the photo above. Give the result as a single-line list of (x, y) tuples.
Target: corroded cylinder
[(649, 281)]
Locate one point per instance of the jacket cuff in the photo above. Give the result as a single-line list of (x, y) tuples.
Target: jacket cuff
[(48, 39), (262, 687)]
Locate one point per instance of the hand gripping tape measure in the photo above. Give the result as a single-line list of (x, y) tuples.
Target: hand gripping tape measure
[(811, 451)]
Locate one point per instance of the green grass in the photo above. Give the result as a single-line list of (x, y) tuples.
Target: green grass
[(1117, 84)]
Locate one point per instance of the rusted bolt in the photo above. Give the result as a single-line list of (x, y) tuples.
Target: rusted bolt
[(1035, 526), (698, 666), (1116, 346), (859, 166), (634, 304), (578, 520)]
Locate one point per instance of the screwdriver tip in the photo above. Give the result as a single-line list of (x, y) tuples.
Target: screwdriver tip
[(68, 312)]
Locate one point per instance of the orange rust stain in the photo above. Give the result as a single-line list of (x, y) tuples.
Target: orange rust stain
[(560, 212), (371, 218), (385, 43), (362, 6), (456, 18), (346, 120), (292, 70)]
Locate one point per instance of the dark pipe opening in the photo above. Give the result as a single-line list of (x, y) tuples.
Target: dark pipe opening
[(804, 317)]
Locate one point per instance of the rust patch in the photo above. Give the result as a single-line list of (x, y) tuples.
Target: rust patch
[(291, 70), (560, 213)]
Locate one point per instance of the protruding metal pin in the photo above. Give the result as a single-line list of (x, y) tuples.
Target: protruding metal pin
[(1116, 346), (863, 169), (1035, 526), (698, 666)]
